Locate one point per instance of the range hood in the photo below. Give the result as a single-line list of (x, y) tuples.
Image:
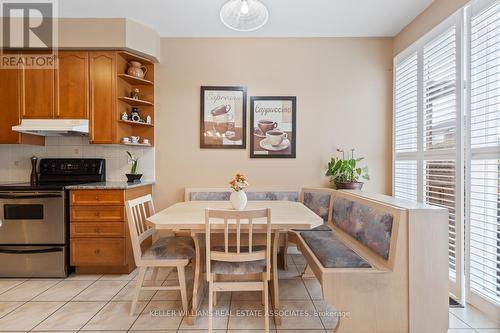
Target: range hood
[(53, 127)]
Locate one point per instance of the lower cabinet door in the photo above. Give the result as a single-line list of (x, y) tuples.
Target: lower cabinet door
[(97, 251)]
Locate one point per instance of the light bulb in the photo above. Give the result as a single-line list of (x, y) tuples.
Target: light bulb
[(244, 7)]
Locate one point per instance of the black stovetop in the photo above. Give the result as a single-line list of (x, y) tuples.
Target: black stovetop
[(56, 173), (39, 187)]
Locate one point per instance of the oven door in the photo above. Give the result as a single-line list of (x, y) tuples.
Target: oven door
[(32, 218)]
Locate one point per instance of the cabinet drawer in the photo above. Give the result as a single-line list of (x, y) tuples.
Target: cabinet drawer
[(96, 197), (97, 229), (97, 251), (97, 213)]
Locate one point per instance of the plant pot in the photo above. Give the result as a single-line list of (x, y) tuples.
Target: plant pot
[(238, 200), (133, 178), (349, 185)]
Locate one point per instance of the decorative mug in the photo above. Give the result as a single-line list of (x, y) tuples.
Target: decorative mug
[(276, 137), (145, 141), (137, 69), (126, 139)]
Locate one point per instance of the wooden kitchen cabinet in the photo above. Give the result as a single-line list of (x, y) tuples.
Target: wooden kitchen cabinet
[(11, 103), (99, 234), (72, 85), (103, 118), (37, 93), (86, 84), (10, 97)]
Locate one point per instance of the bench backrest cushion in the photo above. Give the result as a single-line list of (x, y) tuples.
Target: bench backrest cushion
[(370, 226), (318, 202), (208, 195), (273, 195)]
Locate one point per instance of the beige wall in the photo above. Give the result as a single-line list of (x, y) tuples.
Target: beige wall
[(343, 89), (438, 11)]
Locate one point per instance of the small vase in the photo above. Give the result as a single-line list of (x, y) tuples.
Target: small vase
[(238, 200)]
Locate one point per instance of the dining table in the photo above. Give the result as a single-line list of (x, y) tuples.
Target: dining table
[(188, 218)]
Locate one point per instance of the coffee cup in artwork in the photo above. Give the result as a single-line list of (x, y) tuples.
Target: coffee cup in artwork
[(221, 118), (266, 125), (276, 137)]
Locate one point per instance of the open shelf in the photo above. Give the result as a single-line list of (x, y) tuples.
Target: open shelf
[(137, 144), (125, 84), (135, 123), (134, 57), (135, 80), (135, 102)]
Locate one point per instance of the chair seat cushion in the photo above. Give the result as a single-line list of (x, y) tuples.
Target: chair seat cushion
[(237, 268), (170, 248), (332, 252)]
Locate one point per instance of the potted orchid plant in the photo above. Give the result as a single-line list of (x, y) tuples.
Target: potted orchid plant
[(238, 198), (346, 172), (133, 176)]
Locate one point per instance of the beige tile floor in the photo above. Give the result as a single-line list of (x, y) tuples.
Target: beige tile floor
[(101, 303)]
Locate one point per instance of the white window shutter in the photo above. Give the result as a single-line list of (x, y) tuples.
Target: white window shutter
[(484, 151), (440, 100), (405, 106)]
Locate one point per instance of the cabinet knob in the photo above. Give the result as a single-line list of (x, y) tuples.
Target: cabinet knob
[(96, 198), (96, 230), (97, 214), (97, 252)]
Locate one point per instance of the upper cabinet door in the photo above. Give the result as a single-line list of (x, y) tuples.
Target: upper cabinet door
[(37, 93), (72, 85), (11, 103), (102, 97)]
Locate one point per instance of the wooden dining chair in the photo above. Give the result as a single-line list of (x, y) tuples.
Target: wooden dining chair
[(238, 260), (164, 252)]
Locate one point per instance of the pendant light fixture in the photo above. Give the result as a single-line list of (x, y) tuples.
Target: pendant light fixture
[(244, 15)]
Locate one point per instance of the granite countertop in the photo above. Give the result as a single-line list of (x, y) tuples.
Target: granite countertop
[(108, 185)]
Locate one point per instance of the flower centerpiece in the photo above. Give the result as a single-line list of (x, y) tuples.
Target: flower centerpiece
[(345, 172), (133, 176), (238, 198)]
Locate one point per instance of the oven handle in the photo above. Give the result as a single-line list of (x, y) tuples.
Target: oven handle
[(49, 250), (30, 196)]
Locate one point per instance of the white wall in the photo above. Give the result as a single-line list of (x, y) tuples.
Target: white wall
[(15, 159)]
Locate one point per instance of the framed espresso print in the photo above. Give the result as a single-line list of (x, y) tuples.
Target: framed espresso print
[(223, 117), (273, 121)]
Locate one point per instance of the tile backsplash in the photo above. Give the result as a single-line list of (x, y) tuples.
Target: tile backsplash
[(15, 159)]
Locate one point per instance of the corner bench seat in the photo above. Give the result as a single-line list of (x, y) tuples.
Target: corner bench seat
[(331, 251), (374, 263)]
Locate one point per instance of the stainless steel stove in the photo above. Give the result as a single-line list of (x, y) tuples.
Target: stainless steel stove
[(34, 219)]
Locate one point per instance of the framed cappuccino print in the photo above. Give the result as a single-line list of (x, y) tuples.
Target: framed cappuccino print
[(273, 131), (223, 117)]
